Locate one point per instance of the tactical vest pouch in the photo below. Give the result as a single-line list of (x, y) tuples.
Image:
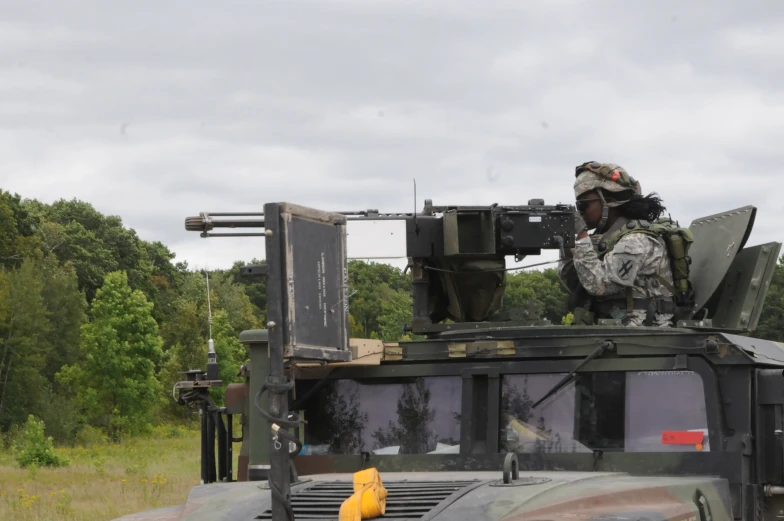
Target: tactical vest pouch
[(678, 243)]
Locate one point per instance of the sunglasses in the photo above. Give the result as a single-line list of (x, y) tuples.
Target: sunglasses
[(583, 204)]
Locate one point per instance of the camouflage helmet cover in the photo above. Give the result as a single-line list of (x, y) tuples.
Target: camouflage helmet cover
[(609, 176)]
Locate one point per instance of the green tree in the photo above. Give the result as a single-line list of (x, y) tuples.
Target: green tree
[(51, 237), (66, 310), (8, 232), (225, 294), (543, 287), (230, 297), (82, 247), (355, 330), (771, 322), (230, 353), (396, 312), (187, 326), (369, 283), (41, 312), (115, 379), (98, 245), (165, 279), (255, 287), (24, 326), (35, 448), (186, 333), (17, 230), (66, 313), (185, 344)]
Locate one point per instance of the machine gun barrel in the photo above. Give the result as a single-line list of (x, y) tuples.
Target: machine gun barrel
[(205, 222), (521, 229)]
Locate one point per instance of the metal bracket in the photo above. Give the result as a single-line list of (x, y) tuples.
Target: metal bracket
[(681, 362), (511, 468), (254, 270), (511, 474)]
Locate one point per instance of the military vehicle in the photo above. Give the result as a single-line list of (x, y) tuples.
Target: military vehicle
[(490, 415)]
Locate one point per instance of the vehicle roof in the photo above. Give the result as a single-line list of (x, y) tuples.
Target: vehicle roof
[(499, 343)]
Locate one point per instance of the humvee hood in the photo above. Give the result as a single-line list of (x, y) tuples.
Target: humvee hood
[(470, 496)]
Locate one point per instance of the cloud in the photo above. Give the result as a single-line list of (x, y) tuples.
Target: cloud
[(160, 112)]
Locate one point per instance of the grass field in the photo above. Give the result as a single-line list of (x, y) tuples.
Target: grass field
[(103, 482)]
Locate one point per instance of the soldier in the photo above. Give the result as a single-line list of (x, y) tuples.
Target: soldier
[(616, 273)]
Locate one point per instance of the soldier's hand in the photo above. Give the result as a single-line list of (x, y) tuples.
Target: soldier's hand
[(579, 224)]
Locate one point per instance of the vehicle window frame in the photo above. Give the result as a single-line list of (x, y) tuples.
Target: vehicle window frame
[(470, 370), (639, 406), (390, 379), (710, 384)]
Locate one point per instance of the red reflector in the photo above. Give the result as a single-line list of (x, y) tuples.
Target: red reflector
[(615, 176), (682, 438)]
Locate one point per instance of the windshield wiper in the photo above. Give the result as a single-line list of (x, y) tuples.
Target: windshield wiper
[(606, 346)]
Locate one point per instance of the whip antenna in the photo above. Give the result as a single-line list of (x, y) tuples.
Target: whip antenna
[(211, 355), (209, 307)]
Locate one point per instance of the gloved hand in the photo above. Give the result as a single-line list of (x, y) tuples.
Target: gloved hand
[(579, 223)]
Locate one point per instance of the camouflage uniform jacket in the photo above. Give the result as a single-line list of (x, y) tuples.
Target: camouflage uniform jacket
[(632, 263)]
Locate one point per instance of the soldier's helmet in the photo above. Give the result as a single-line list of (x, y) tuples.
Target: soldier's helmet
[(592, 175)]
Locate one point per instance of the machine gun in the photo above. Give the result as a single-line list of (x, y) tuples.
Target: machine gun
[(457, 254)]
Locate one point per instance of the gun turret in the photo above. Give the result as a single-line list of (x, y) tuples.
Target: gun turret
[(458, 259)]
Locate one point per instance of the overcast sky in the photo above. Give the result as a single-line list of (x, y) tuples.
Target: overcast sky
[(154, 111)]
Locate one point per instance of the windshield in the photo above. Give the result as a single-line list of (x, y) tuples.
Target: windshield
[(661, 411), (387, 416)]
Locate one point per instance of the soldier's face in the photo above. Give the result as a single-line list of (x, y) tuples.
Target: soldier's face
[(590, 207)]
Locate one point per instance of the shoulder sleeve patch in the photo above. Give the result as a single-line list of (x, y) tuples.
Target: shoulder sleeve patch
[(632, 244)]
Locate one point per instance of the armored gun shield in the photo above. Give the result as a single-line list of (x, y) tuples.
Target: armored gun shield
[(737, 304), (306, 254), (717, 240), (730, 281)]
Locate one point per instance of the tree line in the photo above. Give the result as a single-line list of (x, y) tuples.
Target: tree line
[(97, 324)]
